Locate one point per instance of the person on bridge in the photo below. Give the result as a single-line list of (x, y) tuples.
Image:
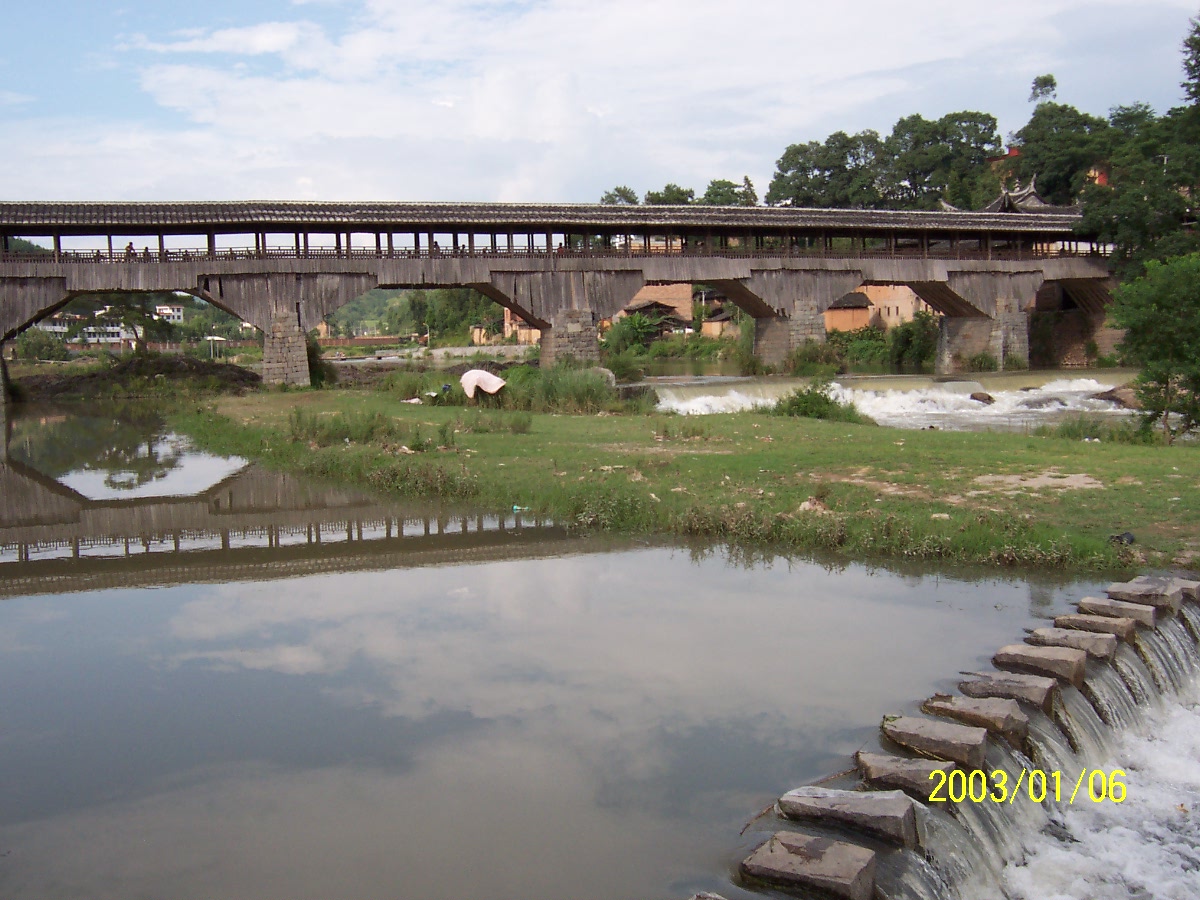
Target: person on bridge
[(130, 253)]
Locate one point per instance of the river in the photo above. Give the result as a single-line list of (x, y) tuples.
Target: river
[(224, 682)]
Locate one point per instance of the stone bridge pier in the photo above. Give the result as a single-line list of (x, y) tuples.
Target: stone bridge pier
[(285, 307), (566, 305)]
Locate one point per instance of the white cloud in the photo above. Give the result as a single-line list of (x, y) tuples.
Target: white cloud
[(552, 100)]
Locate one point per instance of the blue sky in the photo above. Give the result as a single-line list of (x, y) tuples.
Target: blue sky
[(525, 100)]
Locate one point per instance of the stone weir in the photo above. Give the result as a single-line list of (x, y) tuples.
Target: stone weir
[(1044, 707)]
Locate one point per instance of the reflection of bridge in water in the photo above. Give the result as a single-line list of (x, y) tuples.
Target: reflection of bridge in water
[(254, 525)]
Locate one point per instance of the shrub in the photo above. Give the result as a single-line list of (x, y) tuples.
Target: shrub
[(357, 428), (981, 362), (1099, 428), (625, 366), (633, 330), (320, 370), (814, 359), (816, 402), (743, 351), (560, 389), (912, 345), (863, 348)]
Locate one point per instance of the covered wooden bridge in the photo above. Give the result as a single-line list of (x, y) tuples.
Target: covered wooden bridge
[(283, 266)]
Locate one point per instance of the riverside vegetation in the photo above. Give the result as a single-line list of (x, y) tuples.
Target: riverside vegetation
[(562, 444)]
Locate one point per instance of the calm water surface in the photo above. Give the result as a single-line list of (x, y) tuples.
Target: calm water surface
[(505, 713)]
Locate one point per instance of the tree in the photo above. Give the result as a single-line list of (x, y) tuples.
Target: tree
[(842, 172), (671, 195), (1045, 87), (1059, 146), (633, 330), (720, 193), (621, 195), (747, 195), (1160, 313), (725, 193), (1191, 63), (135, 313), (34, 343), (1146, 202), (923, 162)]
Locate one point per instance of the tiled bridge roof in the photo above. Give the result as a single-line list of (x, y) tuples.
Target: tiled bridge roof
[(230, 217)]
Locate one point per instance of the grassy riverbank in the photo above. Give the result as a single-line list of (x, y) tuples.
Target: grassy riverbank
[(868, 492)]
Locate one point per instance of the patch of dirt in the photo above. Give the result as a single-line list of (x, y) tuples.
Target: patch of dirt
[(884, 487), (176, 368), (1051, 478)]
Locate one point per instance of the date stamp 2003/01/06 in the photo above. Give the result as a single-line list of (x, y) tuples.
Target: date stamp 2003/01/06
[(978, 786)]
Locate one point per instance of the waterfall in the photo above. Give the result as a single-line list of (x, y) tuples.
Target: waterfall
[(1136, 675), (1133, 730), (964, 866), (1191, 618), (1111, 696), (906, 875), (1168, 671), (1088, 733), (1051, 750), (1144, 706)]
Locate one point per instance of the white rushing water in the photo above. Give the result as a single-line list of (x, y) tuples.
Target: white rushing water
[(944, 405), (1145, 847)]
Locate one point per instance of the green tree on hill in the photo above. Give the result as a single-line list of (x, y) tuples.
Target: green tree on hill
[(841, 172), (621, 195), (671, 195), (1059, 146), (721, 192)]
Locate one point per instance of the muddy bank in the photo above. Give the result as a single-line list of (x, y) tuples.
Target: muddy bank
[(137, 376)]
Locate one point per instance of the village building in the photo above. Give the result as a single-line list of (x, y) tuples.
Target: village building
[(851, 312), (895, 304), (672, 299), (719, 324)]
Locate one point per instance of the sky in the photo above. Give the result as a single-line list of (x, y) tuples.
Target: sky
[(522, 100)]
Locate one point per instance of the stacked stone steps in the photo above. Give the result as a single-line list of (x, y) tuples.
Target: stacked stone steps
[(853, 826)]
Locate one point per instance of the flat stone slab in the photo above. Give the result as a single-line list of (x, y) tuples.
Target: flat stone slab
[(1120, 609), (1151, 590), (963, 744), (1123, 628), (885, 814), (842, 870), (1063, 663), (1191, 589), (911, 775), (1036, 689), (1094, 644), (999, 716)]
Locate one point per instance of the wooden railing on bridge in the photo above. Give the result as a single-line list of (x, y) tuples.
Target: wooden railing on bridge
[(960, 252)]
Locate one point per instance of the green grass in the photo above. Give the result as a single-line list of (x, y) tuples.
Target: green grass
[(741, 478)]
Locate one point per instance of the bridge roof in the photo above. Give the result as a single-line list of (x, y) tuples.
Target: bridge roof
[(237, 217)]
